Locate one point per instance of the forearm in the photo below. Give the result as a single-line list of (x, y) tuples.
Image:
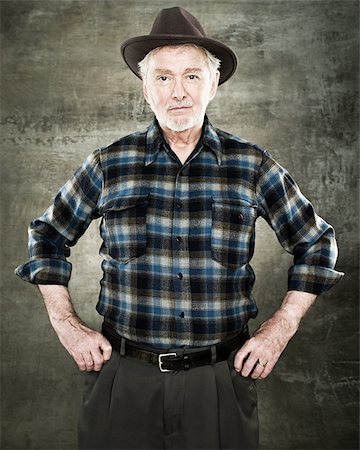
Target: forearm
[(89, 348), (59, 306), (297, 304), (286, 320), (260, 354)]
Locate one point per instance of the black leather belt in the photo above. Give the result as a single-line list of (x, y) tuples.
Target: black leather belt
[(177, 359)]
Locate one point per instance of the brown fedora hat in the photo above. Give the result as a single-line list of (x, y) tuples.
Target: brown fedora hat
[(177, 26)]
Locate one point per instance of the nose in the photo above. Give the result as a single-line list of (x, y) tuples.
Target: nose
[(178, 92)]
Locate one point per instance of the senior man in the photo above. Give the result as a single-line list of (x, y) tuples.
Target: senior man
[(178, 204)]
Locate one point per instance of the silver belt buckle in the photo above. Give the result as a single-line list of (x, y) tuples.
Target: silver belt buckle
[(161, 362)]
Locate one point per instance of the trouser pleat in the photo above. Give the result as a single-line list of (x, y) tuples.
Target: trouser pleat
[(130, 404)]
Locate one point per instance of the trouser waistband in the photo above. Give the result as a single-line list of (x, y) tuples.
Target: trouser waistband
[(176, 359)]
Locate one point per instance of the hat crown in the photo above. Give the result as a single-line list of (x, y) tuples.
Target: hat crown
[(176, 21)]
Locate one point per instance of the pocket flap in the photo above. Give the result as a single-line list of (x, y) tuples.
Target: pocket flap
[(234, 202), (123, 203)]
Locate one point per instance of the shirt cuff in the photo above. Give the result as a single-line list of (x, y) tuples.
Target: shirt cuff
[(312, 279), (45, 271)]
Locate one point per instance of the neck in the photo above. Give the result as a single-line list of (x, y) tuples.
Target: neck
[(182, 142)]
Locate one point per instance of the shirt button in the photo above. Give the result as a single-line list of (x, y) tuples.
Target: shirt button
[(180, 276), (179, 239), (241, 217), (182, 315), (179, 205)]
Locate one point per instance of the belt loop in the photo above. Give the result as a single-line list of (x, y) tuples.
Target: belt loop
[(213, 354), (186, 362), (122, 347)]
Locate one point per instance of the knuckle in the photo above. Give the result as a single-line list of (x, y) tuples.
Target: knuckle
[(78, 359), (88, 361), (248, 367), (89, 364), (98, 336), (238, 359), (248, 346), (250, 362), (98, 362), (81, 366)]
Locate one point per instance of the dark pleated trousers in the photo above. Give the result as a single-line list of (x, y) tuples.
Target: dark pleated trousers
[(130, 404)]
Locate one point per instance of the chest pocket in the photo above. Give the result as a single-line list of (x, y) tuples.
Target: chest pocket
[(125, 224), (232, 232)]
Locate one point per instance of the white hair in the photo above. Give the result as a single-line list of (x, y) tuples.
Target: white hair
[(212, 61)]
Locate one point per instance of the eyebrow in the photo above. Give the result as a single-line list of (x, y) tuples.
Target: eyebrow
[(169, 72)]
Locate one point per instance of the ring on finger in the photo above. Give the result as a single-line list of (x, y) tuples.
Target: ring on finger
[(261, 364)]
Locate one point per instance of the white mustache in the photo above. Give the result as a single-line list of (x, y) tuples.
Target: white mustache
[(179, 105)]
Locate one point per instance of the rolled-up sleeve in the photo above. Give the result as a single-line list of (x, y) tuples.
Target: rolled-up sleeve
[(62, 224), (299, 230)]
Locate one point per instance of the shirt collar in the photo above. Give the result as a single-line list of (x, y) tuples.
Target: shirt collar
[(155, 139)]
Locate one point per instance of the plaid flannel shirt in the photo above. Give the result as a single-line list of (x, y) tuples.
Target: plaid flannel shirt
[(178, 239)]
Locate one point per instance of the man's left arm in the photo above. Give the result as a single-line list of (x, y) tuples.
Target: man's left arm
[(261, 352), (312, 242)]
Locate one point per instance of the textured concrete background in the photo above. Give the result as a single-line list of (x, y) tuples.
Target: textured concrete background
[(65, 91)]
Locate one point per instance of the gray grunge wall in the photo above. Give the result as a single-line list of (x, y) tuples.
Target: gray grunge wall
[(65, 91)]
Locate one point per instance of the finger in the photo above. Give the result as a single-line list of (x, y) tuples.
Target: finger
[(80, 363), (249, 365), (98, 358), (101, 353), (240, 357), (258, 371), (106, 349), (267, 370), (89, 362)]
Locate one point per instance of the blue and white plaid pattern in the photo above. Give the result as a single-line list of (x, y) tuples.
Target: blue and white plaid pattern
[(178, 239)]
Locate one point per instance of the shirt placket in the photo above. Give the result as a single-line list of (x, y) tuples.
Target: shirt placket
[(181, 261)]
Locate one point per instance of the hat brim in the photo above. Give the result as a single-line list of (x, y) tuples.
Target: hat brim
[(135, 49)]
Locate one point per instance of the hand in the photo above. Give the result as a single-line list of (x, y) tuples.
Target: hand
[(89, 348), (258, 356)]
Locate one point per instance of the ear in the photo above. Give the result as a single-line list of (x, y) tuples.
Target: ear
[(214, 85)]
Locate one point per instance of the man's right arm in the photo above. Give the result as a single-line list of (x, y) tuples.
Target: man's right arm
[(89, 348), (50, 238)]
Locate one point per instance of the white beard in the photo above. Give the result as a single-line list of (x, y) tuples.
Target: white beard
[(177, 124), (180, 124)]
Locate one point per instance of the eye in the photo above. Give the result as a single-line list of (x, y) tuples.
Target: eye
[(163, 78), (193, 77)]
